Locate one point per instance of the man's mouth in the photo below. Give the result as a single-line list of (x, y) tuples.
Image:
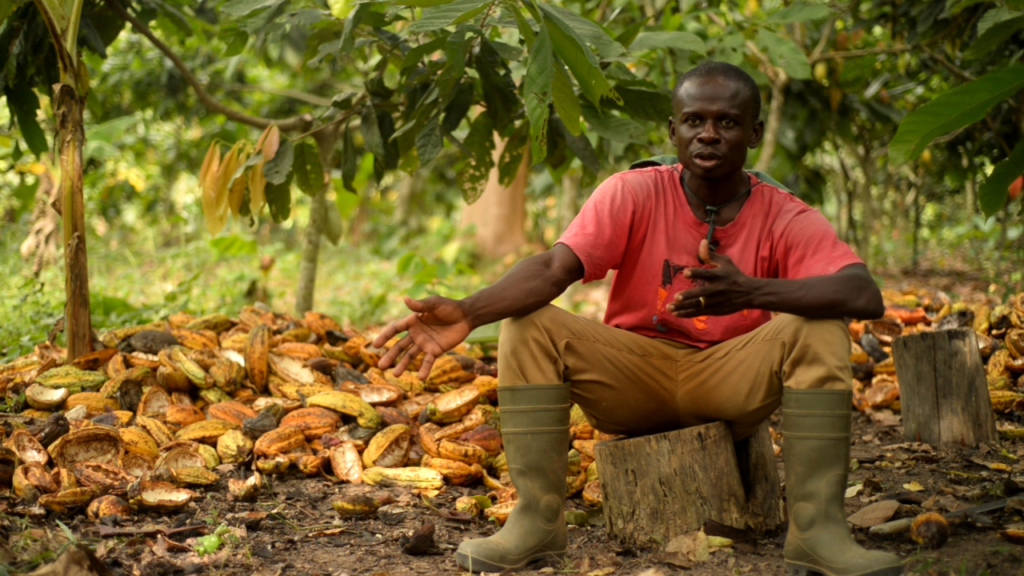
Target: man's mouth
[(706, 160)]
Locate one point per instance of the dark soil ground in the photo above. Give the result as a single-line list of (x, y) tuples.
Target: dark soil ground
[(292, 528)]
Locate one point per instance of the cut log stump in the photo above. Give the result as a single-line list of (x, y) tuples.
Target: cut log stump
[(664, 485), (944, 397)]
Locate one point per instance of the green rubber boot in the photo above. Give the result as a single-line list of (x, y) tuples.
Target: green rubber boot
[(816, 434), (535, 432)]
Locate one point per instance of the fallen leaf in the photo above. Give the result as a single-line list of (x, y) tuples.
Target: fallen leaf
[(874, 514), (601, 572), (694, 545), (884, 417), (854, 490), (913, 487)]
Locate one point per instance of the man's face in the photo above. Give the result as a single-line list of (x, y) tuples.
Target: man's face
[(713, 126)]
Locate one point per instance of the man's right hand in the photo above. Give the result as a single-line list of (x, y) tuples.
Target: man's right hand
[(436, 325)]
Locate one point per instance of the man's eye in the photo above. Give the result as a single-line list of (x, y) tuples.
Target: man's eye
[(728, 122), (692, 121)]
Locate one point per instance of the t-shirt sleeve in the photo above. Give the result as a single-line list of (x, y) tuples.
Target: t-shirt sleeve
[(599, 234), (809, 246)]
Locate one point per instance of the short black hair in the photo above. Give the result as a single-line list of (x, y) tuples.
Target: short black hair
[(714, 69)]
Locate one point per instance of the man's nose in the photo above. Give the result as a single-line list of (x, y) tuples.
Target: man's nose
[(708, 133)]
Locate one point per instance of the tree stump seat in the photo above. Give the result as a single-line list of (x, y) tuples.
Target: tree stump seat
[(660, 486)]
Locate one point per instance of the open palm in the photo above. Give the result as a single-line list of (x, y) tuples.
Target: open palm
[(436, 325)]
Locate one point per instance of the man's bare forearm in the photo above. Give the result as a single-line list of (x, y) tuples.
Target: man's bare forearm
[(850, 293), (527, 287)]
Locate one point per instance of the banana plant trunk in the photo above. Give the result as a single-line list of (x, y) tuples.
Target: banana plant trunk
[(67, 108), (62, 18)]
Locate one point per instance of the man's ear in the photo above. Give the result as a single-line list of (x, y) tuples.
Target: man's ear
[(671, 128), (758, 133)]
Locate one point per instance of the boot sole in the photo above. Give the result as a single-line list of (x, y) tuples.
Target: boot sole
[(480, 565), (795, 569)]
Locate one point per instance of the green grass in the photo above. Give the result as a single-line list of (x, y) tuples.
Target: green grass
[(141, 277)]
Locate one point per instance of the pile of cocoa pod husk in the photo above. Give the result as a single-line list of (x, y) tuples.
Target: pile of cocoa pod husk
[(1000, 334), (153, 414)]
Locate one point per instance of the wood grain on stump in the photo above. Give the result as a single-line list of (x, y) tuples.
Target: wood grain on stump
[(660, 486), (944, 397)]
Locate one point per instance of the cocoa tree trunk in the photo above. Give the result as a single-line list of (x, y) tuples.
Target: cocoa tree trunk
[(500, 213), (68, 107), (325, 140), (771, 128)]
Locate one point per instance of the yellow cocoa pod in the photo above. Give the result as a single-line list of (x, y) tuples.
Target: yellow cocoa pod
[(234, 447), (452, 406), (408, 477), (209, 454), (1002, 400), (65, 500), (350, 404), (72, 378), (138, 441), (207, 431), (194, 475), (216, 322), (389, 448), (450, 370), (277, 465)]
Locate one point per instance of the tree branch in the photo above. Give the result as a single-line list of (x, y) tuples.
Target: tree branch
[(301, 122), (284, 92), (855, 53), (949, 65), (826, 33)]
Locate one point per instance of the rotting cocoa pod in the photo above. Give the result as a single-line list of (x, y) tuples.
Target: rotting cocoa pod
[(148, 341), (871, 345), (930, 530), (55, 426), (345, 374), (255, 427)]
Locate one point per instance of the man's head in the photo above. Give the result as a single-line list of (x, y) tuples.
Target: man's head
[(716, 108)]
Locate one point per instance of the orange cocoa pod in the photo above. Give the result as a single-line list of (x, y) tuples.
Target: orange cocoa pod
[(279, 441), (231, 411), (313, 421)]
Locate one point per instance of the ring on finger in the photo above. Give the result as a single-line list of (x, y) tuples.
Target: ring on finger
[(701, 301)]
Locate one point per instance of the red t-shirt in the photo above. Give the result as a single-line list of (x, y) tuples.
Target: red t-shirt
[(639, 224)]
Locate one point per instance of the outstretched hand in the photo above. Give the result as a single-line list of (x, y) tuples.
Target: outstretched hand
[(721, 289), (436, 325)]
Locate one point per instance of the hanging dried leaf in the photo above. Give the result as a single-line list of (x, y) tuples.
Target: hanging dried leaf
[(269, 142), (208, 185), (257, 188)]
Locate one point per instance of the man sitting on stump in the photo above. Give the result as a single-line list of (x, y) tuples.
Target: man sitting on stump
[(702, 250)]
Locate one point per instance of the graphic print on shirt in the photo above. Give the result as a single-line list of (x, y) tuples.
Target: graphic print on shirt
[(673, 282)]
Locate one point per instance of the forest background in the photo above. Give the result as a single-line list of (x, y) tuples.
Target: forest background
[(335, 155)]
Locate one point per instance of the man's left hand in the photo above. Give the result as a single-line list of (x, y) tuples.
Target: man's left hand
[(725, 288)]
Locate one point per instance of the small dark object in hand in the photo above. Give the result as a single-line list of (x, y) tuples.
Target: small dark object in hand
[(930, 530), (420, 542)]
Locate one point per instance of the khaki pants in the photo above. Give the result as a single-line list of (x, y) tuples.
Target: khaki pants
[(634, 385)]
